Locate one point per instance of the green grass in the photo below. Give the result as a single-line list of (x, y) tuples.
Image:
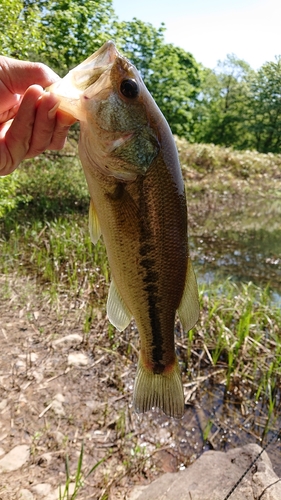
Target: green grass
[(239, 331), (208, 159), (44, 235), (76, 481), (57, 251)]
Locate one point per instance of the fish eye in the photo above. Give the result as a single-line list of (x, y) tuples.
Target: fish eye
[(129, 88)]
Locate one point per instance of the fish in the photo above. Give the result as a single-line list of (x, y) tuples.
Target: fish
[(138, 205)]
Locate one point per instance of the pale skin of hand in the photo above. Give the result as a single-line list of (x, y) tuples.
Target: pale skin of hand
[(30, 122)]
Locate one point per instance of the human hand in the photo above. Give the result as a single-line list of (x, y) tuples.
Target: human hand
[(29, 120)]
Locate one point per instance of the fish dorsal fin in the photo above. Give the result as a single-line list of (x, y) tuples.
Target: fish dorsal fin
[(188, 310), (117, 311), (94, 225)]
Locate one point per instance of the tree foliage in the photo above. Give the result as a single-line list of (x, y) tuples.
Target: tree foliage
[(240, 107), (175, 85), (74, 29), (20, 34), (222, 109), (170, 73), (231, 105), (140, 42), (265, 107)]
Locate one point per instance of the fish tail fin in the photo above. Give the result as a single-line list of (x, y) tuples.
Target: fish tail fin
[(164, 391)]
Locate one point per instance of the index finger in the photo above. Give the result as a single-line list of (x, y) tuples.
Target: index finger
[(19, 135), (8, 100), (17, 76)]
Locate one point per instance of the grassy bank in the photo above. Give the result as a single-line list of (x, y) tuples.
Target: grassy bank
[(54, 282)]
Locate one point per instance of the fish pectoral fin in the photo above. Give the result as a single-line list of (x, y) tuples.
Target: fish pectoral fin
[(159, 390), (188, 310), (94, 225), (117, 311)]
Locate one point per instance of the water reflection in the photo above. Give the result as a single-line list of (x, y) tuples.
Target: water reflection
[(253, 255), (228, 425)]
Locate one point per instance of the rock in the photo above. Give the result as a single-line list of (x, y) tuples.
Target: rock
[(77, 359), (212, 477), (52, 496), (59, 492), (25, 495), (70, 340), (13, 460), (20, 364), (42, 489), (57, 406), (3, 404), (137, 492), (59, 397), (45, 459), (59, 437), (29, 358), (264, 482), (95, 405)]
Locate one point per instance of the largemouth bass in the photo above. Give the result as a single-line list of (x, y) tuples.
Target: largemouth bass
[(138, 204)]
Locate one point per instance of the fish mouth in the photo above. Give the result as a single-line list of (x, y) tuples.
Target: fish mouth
[(89, 71), (79, 80)]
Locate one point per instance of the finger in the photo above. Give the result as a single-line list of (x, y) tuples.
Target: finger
[(6, 163), (44, 125), (63, 124), (19, 135), (17, 76), (8, 115), (8, 99)]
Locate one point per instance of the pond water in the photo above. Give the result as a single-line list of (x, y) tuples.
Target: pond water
[(244, 256), (241, 240)]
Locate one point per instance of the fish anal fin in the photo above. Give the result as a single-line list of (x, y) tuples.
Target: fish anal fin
[(188, 310), (94, 225), (117, 311), (164, 391)]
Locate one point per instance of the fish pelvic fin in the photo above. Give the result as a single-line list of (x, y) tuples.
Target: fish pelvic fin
[(94, 225), (117, 311), (164, 391), (188, 310)]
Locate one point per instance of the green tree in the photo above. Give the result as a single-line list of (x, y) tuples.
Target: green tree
[(20, 34), (175, 85), (62, 33), (170, 74), (139, 42), (265, 107), (74, 29), (222, 112)]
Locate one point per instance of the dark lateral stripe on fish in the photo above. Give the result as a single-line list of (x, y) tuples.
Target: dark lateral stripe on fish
[(150, 281)]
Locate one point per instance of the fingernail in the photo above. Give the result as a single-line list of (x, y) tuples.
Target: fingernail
[(52, 112)]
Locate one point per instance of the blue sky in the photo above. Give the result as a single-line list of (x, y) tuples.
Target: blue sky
[(211, 29)]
